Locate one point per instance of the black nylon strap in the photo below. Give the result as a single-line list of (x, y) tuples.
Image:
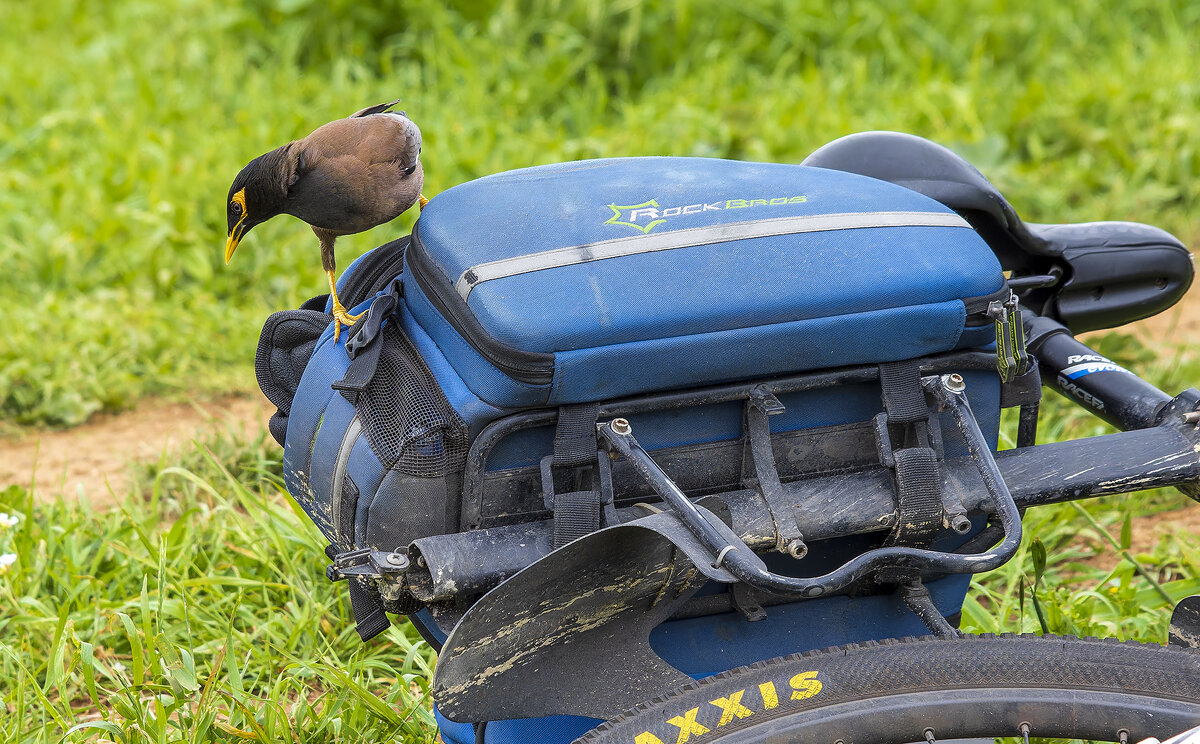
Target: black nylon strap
[(918, 480), (576, 513), (919, 487), (575, 435), (360, 373), (902, 395), (369, 616)]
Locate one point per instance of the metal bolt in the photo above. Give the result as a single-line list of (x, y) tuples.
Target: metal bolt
[(396, 559), (886, 520), (797, 549), (955, 383), (960, 524), (621, 426), (1191, 417)]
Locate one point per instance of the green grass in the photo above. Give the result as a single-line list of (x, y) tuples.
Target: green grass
[(197, 611), (124, 123)]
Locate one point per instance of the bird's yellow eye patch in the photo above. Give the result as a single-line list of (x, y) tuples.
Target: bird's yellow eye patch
[(237, 205), (238, 202)]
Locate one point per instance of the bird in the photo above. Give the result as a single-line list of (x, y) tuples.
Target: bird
[(345, 177)]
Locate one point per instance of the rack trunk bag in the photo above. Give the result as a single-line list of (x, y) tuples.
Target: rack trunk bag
[(565, 285)]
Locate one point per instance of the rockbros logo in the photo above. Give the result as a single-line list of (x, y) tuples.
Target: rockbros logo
[(648, 215)]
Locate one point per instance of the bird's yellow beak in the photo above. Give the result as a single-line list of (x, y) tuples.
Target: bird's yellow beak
[(231, 242)]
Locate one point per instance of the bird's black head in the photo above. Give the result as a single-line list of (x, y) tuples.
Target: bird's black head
[(258, 193)]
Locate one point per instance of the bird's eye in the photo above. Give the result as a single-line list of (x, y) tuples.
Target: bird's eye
[(235, 208)]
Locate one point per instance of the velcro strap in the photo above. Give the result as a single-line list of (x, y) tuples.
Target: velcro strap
[(370, 619), (919, 488), (575, 435), (576, 513), (902, 395)]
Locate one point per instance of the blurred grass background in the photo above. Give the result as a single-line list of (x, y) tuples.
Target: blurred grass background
[(178, 617), (124, 122)]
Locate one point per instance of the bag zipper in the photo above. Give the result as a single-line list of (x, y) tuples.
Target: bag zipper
[(530, 367), (977, 307)]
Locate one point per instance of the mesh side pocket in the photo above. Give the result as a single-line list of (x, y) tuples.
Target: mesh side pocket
[(406, 417)]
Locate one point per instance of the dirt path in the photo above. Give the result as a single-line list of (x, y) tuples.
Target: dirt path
[(93, 458)]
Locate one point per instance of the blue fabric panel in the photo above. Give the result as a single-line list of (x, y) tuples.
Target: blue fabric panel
[(485, 381), (758, 282), (703, 646), (872, 280), (670, 293), (879, 336), (454, 733), (308, 410), (338, 414), (474, 411), (546, 207), (367, 472)]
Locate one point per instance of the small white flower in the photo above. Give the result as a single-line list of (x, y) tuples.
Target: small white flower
[(9, 520), (7, 560), (118, 667)]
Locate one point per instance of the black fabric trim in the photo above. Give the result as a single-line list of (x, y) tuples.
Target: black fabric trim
[(575, 435), (576, 513), (369, 616), (919, 486), (903, 398)]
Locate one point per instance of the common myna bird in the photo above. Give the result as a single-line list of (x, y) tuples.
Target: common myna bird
[(346, 177)]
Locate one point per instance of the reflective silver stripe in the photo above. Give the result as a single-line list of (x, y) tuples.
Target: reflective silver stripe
[(696, 236), (339, 474)]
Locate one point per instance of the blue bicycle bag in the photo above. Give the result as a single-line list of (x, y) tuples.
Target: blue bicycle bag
[(567, 284), (586, 281)]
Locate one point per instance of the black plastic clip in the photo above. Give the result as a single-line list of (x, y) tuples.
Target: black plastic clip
[(365, 344), (365, 332)]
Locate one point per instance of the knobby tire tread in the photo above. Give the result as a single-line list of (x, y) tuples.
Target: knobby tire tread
[(885, 668)]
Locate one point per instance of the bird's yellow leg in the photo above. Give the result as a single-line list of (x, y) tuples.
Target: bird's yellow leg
[(340, 316)]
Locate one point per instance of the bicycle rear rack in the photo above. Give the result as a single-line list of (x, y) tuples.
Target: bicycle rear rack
[(729, 552)]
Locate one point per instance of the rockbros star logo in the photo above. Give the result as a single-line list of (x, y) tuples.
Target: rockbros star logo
[(648, 215)]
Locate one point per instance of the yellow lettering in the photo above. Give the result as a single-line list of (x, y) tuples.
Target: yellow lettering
[(736, 204), (797, 200), (805, 685), (779, 200), (756, 202), (687, 725), (732, 706), (647, 738), (770, 699)]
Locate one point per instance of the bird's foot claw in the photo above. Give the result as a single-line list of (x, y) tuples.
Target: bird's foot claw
[(343, 318)]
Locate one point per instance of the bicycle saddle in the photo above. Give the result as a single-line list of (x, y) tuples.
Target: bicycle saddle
[(1112, 272)]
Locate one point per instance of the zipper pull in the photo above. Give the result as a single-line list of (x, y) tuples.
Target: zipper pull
[(1012, 360), (1006, 362), (1017, 328)]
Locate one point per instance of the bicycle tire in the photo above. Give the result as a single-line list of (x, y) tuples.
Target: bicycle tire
[(920, 689)]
